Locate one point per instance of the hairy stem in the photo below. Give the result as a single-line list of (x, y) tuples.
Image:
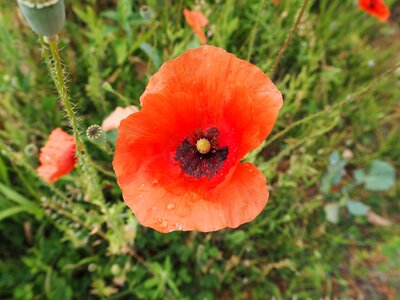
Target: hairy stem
[(92, 181)]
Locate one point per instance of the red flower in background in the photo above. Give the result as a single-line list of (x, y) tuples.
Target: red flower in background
[(57, 157), (196, 21), (177, 161), (377, 8), (115, 118)]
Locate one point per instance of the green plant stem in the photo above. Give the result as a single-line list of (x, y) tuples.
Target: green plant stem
[(104, 171), (93, 187), (119, 95), (255, 29), (288, 38), (64, 96)]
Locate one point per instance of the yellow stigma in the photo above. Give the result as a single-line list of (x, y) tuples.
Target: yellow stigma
[(203, 146)]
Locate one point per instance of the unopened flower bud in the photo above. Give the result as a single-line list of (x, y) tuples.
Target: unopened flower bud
[(31, 150), (146, 12), (96, 134), (45, 17), (92, 267), (115, 269), (107, 87)]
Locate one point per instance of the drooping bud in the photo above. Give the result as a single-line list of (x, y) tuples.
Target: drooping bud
[(45, 17), (96, 134)]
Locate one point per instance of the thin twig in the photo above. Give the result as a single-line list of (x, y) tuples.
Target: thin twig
[(255, 29), (288, 38)]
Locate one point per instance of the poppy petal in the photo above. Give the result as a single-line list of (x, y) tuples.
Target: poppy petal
[(115, 118), (376, 8), (57, 157), (213, 74), (236, 201), (196, 20), (169, 179)]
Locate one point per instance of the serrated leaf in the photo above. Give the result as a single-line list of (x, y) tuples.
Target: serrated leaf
[(357, 208), (332, 212), (381, 176)]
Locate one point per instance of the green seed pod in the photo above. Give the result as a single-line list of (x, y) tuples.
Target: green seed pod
[(96, 134), (45, 17), (31, 150)]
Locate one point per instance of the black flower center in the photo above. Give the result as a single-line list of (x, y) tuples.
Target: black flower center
[(200, 155)]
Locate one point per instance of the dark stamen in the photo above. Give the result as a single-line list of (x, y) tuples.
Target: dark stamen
[(200, 154)]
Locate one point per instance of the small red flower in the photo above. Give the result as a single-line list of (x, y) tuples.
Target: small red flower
[(177, 161), (115, 118), (57, 157), (196, 21), (377, 8)]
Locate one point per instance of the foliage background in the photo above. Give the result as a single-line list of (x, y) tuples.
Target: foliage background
[(54, 244)]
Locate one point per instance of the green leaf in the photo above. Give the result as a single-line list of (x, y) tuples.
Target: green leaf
[(3, 172), (357, 208), (334, 172), (112, 136), (153, 54), (381, 176), (359, 176), (121, 50), (8, 212), (332, 212), (334, 158), (17, 198)]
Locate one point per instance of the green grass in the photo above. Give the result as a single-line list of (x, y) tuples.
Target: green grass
[(54, 244)]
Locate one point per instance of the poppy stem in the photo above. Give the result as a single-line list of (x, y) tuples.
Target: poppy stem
[(108, 88), (56, 71), (288, 38)]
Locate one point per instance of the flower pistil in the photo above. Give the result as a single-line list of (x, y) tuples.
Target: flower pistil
[(200, 155)]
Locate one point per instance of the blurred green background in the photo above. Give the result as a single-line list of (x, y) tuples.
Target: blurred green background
[(330, 228)]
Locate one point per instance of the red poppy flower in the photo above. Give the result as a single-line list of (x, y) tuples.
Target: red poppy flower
[(57, 157), (177, 161), (377, 8), (197, 21)]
